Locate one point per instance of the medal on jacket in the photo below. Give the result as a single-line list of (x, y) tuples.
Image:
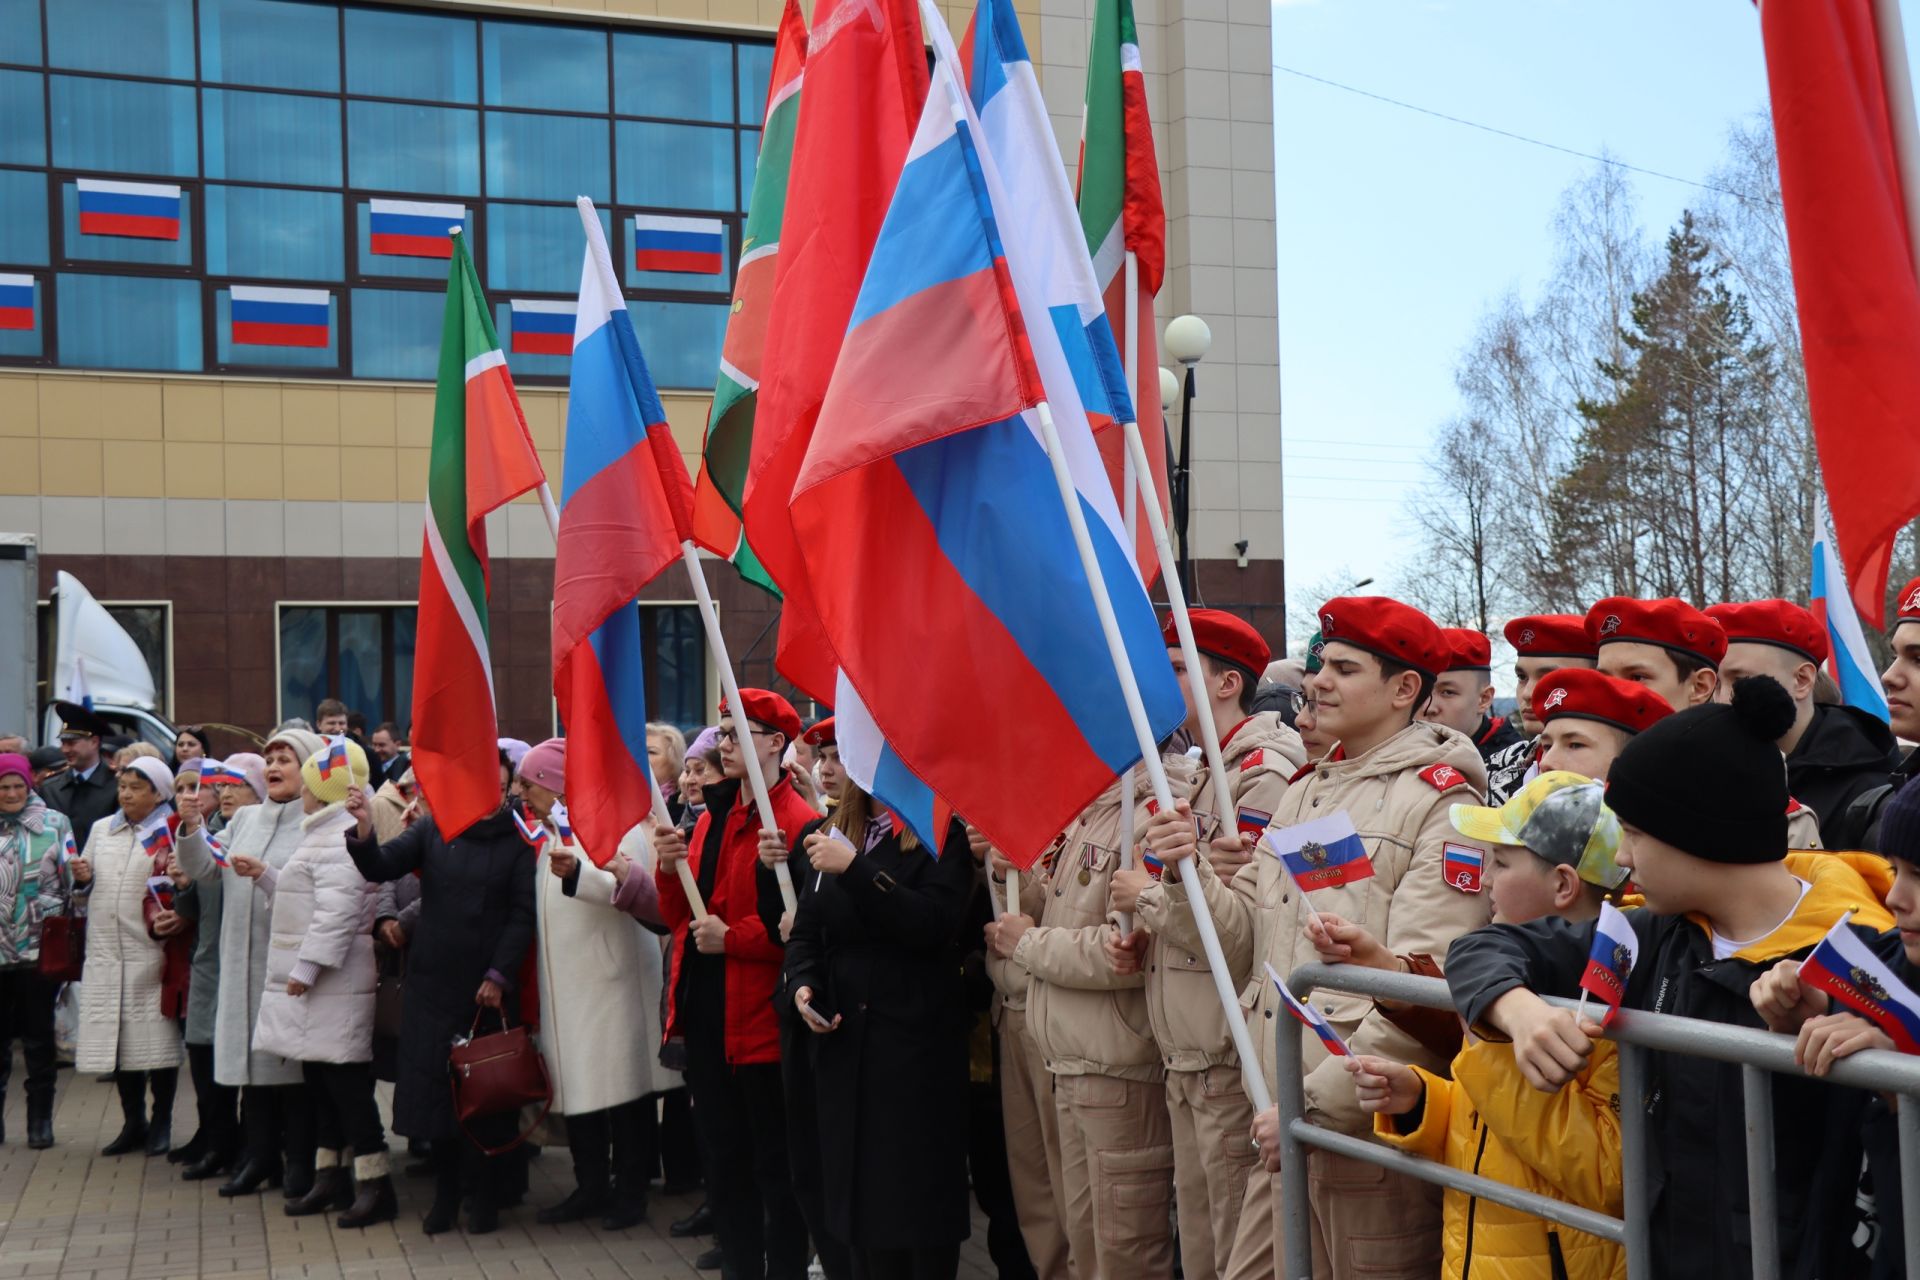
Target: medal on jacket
[(1086, 863)]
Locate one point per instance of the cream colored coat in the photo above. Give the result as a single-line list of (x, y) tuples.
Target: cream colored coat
[(322, 914), (121, 1026)]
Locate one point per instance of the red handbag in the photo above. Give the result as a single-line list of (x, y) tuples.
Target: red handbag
[(63, 948), (498, 1074)]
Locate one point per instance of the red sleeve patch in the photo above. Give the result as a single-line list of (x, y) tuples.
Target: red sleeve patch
[(1793, 806), (1443, 777), (1252, 759)]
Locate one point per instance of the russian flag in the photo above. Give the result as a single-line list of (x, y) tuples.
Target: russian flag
[(530, 828), (16, 302), (1616, 947), (160, 889), (1850, 662), (695, 246), (273, 317), (218, 849), (1321, 854), (1310, 1017), (541, 328), (68, 849), (562, 823), (412, 229), (626, 508), (336, 757), (157, 836), (145, 210), (927, 480), (1844, 968)]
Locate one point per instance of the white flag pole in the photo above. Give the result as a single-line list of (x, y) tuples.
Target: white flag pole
[(1013, 890), (1898, 79), (1131, 518)]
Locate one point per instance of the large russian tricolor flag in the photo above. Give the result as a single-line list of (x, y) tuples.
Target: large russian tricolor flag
[(927, 486), (16, 302), (412, 228), (146, 210), (626, 505), (693, 246), (273, 317), (541, 328)]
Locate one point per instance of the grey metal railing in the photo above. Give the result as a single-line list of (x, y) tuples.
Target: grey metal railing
[(1760, 1055)]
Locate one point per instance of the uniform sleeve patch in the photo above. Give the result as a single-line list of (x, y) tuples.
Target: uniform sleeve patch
[(1443, 777), (1253, 822), (1461, 865), (1253, 759), (1793, 806)]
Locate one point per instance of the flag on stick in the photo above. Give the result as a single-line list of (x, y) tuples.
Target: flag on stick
[(1844, 968), (1322, 854), (1310, 1017), (1616, 947), (1849, 661)]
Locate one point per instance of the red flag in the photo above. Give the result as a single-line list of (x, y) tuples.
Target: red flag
[(866, 80), (1853, 273)]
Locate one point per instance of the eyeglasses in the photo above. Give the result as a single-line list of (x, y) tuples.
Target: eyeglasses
[(733, 735), (1301, 702)]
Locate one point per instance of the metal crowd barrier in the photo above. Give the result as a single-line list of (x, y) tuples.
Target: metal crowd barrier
[(1760, 1055)]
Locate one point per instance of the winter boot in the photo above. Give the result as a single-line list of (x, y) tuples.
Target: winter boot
[(39, 1122), (446, 1158), (374, 1200), (132, 1086), (332, 1189)]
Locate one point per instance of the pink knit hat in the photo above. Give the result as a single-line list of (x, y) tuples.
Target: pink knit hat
[(546, 764), (13, 762)]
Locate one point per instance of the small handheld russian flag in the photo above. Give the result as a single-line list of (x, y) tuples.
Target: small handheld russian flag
[(1845, 969), (1314, 1020), (1321, 854), (160, 889), (336, 757), (1615, 949), (158, 837), (561, 822), (68, 849), (530, 828), (217, 849)]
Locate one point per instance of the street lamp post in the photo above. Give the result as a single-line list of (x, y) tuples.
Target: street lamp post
[(1188, 338)]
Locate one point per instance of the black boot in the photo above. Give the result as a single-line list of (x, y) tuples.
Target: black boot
[(483, 1196), (210, 1165), (132, 1086), (299, 1182), (160, 1131), (711, 1260), (697, 1223), (373, 1199), (191, 1151), (332, 1189), (39, 1123), (446, 1188), (628, 1208), (583, 1203), (633, 1160), (252, 1175)]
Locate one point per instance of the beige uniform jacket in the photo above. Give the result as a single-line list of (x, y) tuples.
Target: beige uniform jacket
[(1010, 980), (1397, 795), (1085, 1018), (1261, 754)]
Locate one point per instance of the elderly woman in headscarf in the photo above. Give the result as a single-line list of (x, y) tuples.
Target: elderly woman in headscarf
[(125, 1025), (33, 887)]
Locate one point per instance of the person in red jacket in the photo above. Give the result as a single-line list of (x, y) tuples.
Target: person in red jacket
[(720, 993)]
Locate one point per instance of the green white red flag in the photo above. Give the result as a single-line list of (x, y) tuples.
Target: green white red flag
[(721, 488), (482, 458)]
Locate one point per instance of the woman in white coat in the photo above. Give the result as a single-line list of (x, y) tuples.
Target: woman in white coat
[(124, 1028), (274, 1110), (595, 985), (318, 1005)]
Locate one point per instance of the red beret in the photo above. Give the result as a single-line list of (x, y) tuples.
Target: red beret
[(1470, 650), (1387, 629), (770, 709), (821, 735), (1908, 607), (1591, 695), (1222, 635), (1551, 635), (1671, 623), (1780, 623)]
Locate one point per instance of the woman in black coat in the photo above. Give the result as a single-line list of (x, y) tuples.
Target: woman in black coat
[(874, 969), (476, 922)]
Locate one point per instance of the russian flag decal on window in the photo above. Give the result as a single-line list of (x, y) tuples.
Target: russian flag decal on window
[(412, 229), (693, 246), (264, 317), (146, 210), (16, 302), (542, 328)]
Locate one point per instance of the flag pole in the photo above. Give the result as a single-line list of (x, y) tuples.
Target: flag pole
[(1013, 891), (1131, 518), (1149, 752), (1898, 81)]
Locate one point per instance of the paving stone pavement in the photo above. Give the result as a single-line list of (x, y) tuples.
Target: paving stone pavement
[(69, 1212)]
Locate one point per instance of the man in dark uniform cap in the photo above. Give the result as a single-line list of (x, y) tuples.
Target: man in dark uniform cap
[(86, 792)]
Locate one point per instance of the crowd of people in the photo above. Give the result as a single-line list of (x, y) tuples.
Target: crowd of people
[(928, 1028)]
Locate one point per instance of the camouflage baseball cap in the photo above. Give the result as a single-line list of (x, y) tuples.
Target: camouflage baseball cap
[(1314, 647), (1559, 816)]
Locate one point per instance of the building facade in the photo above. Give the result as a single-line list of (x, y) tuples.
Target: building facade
[(218, 333)]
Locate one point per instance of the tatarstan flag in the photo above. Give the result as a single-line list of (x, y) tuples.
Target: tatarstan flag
[(722, 485), (482, 458), (1121, 213)]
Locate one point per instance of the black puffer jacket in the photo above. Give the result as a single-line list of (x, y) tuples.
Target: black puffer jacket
[(1843, 753)]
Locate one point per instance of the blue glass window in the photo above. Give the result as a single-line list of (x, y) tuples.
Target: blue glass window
[(396, 332), (274, 234), (524, 364), (20, 31), (756, 73), (283, 43), (227, 351), (536, 248), (676, 166), (633, 278), (370, 263), (119, 248), (27, 343), (395, 53), (749, 165), (682, 341), (131, 37), (23, 217), (121, 126), (432, 150), (546, 157), (23, 140), (532, 64), (272, 137), (129, 322), (679, 77)]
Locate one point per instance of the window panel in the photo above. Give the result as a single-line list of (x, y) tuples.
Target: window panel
[(369, 263), (531, 64), (20, 31), (682, 341), (287, 44), (23, 107), (396, 332), (361, 684), (424, 150), (756, 72), (536, 248), (679, 77), (676, 166), (676, 648), (303, 659), (111, 248), (129, 322), (131, 37), (546, 157), (120, 126), (23, 217), (274, 234), (392, 53), (29, 343), (633, 278), (272, 137), (749, 165)]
